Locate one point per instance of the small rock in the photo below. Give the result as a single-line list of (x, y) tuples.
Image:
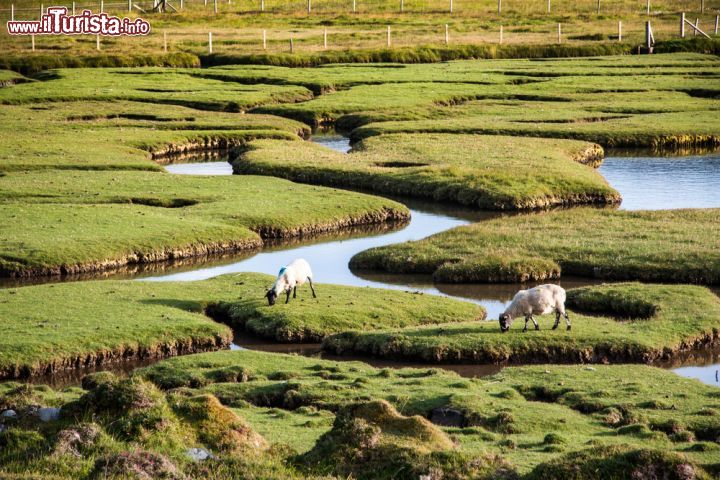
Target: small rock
[(8, 414), (198, 454), (48, 414), (592, 369)]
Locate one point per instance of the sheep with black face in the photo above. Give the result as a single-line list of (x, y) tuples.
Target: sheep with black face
[(295, 274), (540, 300)]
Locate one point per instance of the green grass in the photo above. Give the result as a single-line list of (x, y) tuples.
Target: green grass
[(642, 245), (525, 419), (489, 172), (581, 404), (67, 325), (338, 309), (634, 323)]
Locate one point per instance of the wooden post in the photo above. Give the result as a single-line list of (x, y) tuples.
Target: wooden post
[(451, 6), (447, 34), (402, 6), (264, 39), (102, 6), (682, 25), (388, 36), (325, 38), (702, 6), (292, 46), (164, 41), (97, 42), (619, 30), (354, 9), (206, 3), (499, 7), (598, 7), (559, 33), (697, 24), (129, 6), (548, 10), (501, 34), (42, 10), (648, 37), (309, 6), (648, 7), (717, 23), (32, 42), (12, 12), (209, 42), (181, 4), (215, 6), (262, 5)]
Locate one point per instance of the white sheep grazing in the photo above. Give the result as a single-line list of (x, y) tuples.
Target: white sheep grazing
[(540, 300), (289, 278)]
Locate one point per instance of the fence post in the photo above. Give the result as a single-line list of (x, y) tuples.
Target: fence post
[(264, 39), (73, 6), (451, 6), (325, 38), (97, 42), (499, 7), (717, 23), (697, 24), (388, 36), (164, 41), (129, 6), (292, 46), (32, 42), (181, 4), (42, 10), (501, 34), (215, 6), (702, 6), (648, 7), (447, 34), (262, 5), (354, 9), (206, 3), (12, 12), (102, 6), (559, 33), (648, 36), (209, 42), (402, 6), (309, 5), (682, 25), (619, 30), (548, 11), (598, 7)]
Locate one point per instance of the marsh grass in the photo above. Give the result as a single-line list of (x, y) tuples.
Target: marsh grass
[(621, 245)]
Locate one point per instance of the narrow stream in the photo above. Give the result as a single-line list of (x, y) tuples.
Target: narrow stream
[(645, 183)]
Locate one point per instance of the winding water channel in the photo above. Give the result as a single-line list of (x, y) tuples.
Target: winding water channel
[(645, 182)]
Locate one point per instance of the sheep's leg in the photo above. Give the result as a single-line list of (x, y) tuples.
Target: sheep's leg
[(287, 299), (567, 320), (311, 287), (295, 292), (527, 317), (537, 327), (557, 320)]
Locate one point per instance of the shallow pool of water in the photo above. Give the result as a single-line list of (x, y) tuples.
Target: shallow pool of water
[(659, 183)]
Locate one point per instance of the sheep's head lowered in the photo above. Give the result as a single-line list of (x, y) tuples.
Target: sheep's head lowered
[(271, 296), (505, 322)]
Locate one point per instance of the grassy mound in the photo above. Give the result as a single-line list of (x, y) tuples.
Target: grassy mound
[(487, 172), (338, 309), (618, 462), (53, 327), (650, 323), (608, 244), (372, 440)]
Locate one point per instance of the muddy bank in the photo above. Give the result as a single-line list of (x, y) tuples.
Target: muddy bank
[(118, 356), (396, 348)]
